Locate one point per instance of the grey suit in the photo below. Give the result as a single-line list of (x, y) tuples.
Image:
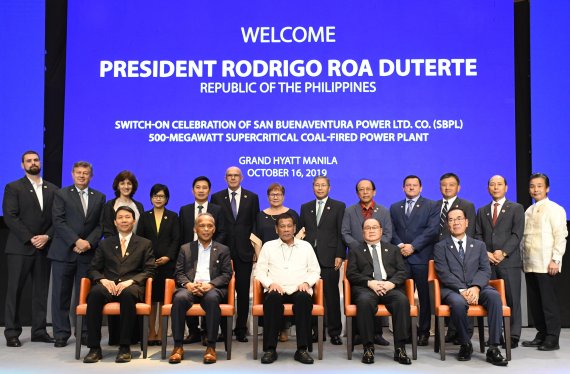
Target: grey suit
[(506, 236), (456, 275), (352, 224), (220, 275)]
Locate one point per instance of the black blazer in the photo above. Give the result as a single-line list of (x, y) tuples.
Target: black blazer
[(469, 209), (240, 228), (360, 267), (166, 242), (24, 216), (220, 265), (138, 264), (108, 219), (327, 235), (187, 223), (70, 224), (507, 233)]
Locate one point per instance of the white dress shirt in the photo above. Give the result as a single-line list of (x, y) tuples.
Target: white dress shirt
[(203, 264), (544, 237), (237, 197), (38, 189), (288, 266)]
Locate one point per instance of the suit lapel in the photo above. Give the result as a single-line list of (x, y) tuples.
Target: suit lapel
[(74, 194), (213, 260), (504, 210), (470, 253), (228, 205), (450, 245), (28, 186), (193, 259), (368, 255), (244, 201)]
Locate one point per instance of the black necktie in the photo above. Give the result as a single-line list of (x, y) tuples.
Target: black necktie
[(200, 207), (443, 217), (461, 250), (376, 263)]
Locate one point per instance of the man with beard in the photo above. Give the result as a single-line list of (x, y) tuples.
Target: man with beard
[(27, 213)]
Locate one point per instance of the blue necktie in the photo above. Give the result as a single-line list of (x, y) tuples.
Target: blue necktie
[(234, 205), (461, 250), (409, 209)]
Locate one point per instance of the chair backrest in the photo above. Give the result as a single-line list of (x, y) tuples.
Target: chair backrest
[(258, 295), (85, 287)]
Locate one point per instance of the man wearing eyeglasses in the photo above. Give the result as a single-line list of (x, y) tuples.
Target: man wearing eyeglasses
[(377, 272), (322, 220), (354, 217), (463, 269)]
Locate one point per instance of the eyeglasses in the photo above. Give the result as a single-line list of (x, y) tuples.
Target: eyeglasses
[(367, 189), (275, 194), (159, 197), (453, 220), (320, 185), (371, 228), (233, 175)]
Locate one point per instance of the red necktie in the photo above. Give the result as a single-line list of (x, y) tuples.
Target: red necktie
[(495, 215)]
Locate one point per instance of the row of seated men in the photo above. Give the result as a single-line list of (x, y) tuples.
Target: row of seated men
[(414, 225)]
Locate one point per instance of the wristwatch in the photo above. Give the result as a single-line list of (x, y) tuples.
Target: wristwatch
[(557, 262), (505, 254)]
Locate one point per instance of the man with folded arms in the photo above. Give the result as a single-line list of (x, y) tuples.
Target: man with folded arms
[(287, 268), (119, 271), (203, 271), (464, 271), (377, 273)]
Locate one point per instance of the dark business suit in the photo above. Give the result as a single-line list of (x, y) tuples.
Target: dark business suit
[(456, 275), (220, 275), (469, 210), (353, 220), (71, 223), (165, 242), (506, 235), (326, 239), (25, 218), (138, 264), (359, 271), (108, 218), (187, 222), (239, 230), (420, 230)]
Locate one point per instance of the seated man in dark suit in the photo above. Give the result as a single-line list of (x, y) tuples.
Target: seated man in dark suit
[(463, 269), (203, 271), (377, 271), (119, 271)]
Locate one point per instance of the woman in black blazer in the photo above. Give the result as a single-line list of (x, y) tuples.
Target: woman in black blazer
[(161, 227), (125, 185)]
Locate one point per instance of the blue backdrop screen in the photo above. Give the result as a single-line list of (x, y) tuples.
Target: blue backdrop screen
[(287, 90)]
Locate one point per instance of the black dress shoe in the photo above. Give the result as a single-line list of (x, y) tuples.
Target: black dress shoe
[(60, 343), (93, 356), (423, 339), (368, 356), (43, 339), (336, 340), (379, 340), (13, 342), (514, 344), (549, 346), (465, 352), (124, 354), (495, 357), (303, 356), (241, 337), (401, 356), (536, 342), (269, 357)]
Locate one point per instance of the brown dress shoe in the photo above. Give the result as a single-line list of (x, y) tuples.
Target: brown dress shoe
[(176, 356), (210, 356)]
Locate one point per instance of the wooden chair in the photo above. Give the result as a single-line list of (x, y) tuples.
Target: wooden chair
[(112, 309), (350, 312), (441, 311), (318, 311), (228, 310)]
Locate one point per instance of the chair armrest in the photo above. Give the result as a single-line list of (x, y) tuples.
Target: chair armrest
[(499, 285), (232, 290), (346, 292), (84, 289), (257, 292), (410, 291), (318, 293)]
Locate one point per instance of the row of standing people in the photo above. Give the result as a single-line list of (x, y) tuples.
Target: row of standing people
[(414, 224)]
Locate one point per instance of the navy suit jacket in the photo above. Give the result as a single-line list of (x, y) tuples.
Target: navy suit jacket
[(469, 209), (453, 274), (506, 235), (353, 220), (420, 229), (220, 265), (327, 234), (240, 228), (187, 223), (24, 216), (71, 223), (360, 267)]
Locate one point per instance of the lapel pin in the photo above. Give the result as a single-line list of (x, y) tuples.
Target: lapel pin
[(127, 253), (312, 211), (31, 191), (245, 196), (365, 250), (418, 205), (217, 261), (503, 211), (45, 186), (375, 210), (450, 246), (401, 206), (225, 197), (385, 249), (328, 207), (471, 246), (488, 214), (116, 247), (165, 217)]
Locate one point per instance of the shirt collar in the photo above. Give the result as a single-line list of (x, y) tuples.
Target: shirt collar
[(415, 199), (281, 242), (541, 202), (34, 183), (449, 201), (372, 206), (501, 201), (456, 240), (79, 189), (126, 237), (201, 247), (238, 191)]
